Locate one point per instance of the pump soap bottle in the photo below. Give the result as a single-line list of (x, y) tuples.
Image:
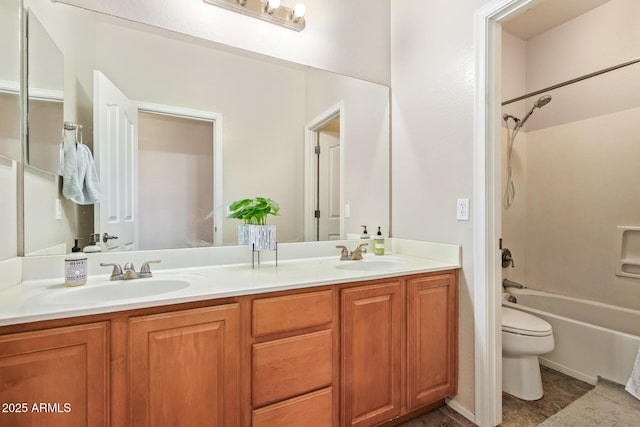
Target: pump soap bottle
[(75, 267), (364, 234), (378, 243)]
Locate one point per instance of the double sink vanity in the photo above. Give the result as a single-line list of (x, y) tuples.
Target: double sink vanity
[(209, 340)]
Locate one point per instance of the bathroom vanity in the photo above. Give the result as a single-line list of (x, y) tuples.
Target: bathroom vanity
[(309, 341)]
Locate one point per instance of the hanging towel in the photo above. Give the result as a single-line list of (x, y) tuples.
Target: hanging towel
[(633, 385), (80, 182)]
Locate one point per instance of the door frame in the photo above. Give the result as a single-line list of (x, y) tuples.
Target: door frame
[(487, 195), (217, 120), (310, 132)]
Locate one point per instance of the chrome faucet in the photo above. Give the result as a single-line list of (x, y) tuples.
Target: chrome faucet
[(506, 283), (129, 271), (345, 255)]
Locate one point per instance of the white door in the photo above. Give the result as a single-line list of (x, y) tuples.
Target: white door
[(115, 145), (329, 188)]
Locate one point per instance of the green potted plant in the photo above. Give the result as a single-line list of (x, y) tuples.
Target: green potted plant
[(254, 230)]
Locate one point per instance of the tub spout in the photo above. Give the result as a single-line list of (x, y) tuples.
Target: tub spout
[(506, 283)]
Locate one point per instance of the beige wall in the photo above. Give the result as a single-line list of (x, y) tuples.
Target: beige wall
[(175, 182)]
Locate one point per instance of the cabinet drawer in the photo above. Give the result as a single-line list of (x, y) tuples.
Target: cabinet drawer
[(291, 312), (310, 409), (291, 366)]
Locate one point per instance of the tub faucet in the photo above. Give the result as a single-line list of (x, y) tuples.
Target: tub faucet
[(506, 283)]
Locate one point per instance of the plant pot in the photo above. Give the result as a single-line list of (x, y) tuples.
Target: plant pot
[(262, 237), (243, 234)]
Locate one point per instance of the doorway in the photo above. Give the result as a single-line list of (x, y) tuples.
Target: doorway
[(324, 147), (180, 177)]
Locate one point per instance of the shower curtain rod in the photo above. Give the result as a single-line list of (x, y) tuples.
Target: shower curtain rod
[(577, 79)]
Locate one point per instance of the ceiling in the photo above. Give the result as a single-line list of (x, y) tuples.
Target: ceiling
[(545, 15)]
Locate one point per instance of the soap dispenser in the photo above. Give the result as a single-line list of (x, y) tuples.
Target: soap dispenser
[(94, 244), (75, 267), (378, 243), (364, 234)]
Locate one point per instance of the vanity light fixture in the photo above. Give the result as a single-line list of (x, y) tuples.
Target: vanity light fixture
[(267, 10)]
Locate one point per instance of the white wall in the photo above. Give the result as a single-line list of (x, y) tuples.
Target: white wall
[(330, 40), (432, 69), (600, 38), (8, 212)]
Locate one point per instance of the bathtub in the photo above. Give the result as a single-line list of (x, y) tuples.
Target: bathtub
[(592, 339)]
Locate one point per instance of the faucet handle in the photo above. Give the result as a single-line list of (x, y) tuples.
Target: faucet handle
[(145, 270), (345, 252), (507, 258), (116, 274)]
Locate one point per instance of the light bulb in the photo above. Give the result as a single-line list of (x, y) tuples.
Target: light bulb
[(272, 5), (298, 12)]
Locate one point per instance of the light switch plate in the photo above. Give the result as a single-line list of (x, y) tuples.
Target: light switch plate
[(462, 210), (347, 211), (58, 209)]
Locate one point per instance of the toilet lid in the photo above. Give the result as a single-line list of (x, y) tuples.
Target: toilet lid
[(519, 322)]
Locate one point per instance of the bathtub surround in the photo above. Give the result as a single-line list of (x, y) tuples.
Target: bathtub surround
[(563, 227)]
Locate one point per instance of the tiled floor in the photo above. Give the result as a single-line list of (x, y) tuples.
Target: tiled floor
[(559, 391)]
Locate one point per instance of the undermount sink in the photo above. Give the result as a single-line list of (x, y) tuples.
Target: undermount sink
[(115, 290), (371, 265)]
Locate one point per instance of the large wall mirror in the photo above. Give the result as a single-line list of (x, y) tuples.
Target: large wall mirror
[(45, 97), (204, 125), (10, 100)]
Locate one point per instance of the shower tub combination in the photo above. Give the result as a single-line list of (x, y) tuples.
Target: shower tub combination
[(591, 339)]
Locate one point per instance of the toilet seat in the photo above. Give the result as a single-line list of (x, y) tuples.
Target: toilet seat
[(521, 323)]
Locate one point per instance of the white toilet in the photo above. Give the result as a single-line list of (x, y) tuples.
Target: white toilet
[(524, 337)]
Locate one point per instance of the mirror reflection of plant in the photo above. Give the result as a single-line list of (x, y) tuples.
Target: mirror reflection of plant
[(253, 211)]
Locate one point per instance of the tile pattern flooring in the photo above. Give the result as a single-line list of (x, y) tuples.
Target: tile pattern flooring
[(559, 391)]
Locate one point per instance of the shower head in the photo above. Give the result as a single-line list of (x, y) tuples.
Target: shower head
[(541, 102)]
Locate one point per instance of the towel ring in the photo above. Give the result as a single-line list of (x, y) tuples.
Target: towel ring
[(73, 126)]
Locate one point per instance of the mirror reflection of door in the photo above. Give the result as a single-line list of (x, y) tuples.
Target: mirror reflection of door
[(327, 211), (175, 173), (115, 145)]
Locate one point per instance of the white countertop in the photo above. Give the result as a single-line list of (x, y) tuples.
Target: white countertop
[(46, 299)]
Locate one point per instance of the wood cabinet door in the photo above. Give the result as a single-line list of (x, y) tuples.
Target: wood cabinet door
[(432, 339), (371, 340), (55, 377), (184, 368)]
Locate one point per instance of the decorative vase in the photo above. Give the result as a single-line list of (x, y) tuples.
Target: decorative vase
[(262, 237), (243, 234)]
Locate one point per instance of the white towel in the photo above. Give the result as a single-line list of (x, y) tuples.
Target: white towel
[(633, 385), (80, 182)]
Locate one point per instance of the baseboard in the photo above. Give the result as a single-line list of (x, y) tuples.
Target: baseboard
[(568, 371), (453, 404)]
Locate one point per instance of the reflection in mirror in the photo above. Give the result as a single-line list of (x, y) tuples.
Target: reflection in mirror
[(251, 125), (11, 117), (45, 97)]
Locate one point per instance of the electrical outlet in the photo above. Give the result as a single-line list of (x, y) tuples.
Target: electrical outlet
[(462, 211), (58, 209), (347, 211)]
